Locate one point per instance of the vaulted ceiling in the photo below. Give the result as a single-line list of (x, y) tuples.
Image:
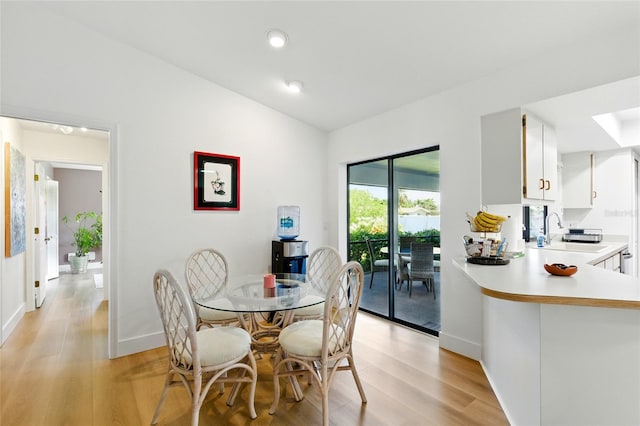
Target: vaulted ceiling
[(358, 59)]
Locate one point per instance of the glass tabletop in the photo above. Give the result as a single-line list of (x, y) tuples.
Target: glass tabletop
[(247, 294)]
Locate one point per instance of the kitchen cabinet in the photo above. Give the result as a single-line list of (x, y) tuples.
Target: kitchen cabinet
[(519, 158), (578, 180), (614, 210)]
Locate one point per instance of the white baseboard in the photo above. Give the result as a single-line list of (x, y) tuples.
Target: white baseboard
[(12, 323), (139, 344), (460, 346)]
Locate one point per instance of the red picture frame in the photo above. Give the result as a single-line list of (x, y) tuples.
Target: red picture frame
[(216, 181)]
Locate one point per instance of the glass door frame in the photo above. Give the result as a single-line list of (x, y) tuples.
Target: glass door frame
[(392, 232)]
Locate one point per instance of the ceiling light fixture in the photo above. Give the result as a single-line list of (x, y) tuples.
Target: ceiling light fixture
[(277, 38), (294, 86)]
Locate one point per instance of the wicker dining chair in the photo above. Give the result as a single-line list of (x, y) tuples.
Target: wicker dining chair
[(324, 263), (200, 358), (206, 272), (321, 348), (421, 267)]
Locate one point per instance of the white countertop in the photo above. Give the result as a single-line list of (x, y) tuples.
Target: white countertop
[(525, 279)]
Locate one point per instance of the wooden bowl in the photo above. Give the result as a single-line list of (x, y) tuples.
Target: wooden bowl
[(561, 269)]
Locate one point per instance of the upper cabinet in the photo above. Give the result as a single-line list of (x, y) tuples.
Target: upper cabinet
[(540, 163), (519, 158), (578, 180)]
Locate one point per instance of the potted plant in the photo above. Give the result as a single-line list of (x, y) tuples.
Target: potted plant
[(87, 235)]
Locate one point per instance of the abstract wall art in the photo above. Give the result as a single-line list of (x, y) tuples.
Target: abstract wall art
[(15, 188)]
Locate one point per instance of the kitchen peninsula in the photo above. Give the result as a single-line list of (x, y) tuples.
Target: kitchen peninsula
[(561, 350)]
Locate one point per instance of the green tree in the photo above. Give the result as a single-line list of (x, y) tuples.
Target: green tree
[(403, 200), (429, 205)]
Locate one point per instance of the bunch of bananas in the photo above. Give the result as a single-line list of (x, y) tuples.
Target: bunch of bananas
[(486, 222)]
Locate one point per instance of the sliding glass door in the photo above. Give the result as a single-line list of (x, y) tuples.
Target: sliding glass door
[(368, 231), (393, 202)]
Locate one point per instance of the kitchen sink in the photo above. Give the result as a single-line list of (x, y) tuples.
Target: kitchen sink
[(584, 247)]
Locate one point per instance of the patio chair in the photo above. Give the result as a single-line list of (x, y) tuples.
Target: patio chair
[(321, 348), (421, 267), (402, 273), (207, 355), (376, 265), (405, 244)]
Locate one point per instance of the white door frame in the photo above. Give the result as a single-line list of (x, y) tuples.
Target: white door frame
[(109, 173)]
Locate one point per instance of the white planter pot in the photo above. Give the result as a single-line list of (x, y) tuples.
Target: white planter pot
[(78, 264)]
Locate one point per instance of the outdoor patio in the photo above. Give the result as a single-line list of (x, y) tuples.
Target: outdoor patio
[(421, 309)]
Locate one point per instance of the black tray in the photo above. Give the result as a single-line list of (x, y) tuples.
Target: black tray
[(479, 260)]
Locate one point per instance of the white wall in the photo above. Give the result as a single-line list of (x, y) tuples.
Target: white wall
[(160, 115), (452, 120), (13, 269)]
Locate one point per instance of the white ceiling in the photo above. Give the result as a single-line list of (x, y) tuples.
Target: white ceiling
[(356, 59), (572, 115)]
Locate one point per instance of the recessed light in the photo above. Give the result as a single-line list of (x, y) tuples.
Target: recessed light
[(277, 38), (83, 129), (294, 86)]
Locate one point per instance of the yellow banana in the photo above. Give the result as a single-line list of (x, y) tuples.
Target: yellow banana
[(486, 219), (481, 226), (485, 222), (494, 216)]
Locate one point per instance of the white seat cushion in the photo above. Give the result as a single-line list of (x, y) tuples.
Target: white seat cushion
[(302, 338), (317, 309), (209, 314), (381, 262), (305, 338), (222, 344)]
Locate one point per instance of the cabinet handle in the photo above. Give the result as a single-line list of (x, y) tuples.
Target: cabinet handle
[(548, 185), (595, 194), (541, 184)]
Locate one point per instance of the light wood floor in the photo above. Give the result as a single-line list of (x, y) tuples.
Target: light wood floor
[(54, 371)]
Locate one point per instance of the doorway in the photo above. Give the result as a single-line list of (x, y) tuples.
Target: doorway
[(49, 146), (394, 202)]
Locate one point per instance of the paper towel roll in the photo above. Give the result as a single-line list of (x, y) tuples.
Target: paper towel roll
[(512, 227)]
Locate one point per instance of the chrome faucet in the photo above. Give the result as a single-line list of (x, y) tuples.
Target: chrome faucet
[(548, 237)]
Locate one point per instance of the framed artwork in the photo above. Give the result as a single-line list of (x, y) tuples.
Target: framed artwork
[(216, 180), (15, 189)]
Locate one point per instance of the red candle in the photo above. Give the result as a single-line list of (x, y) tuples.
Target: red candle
[(269, 281)]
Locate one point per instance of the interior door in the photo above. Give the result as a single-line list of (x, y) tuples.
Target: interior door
[(40, 244), (51, 239)]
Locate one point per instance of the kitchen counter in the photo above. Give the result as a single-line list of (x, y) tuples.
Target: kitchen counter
[(561, 350), (525, 279)]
